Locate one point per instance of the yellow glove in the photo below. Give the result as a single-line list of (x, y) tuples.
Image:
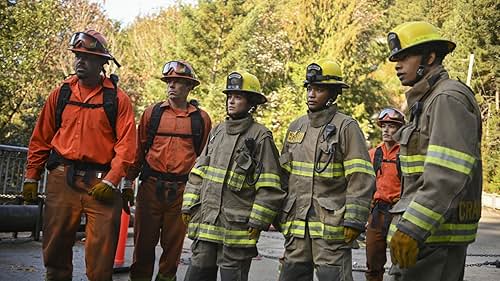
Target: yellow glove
[(102, 192), (30, 190), (186, 218), (350, 234), (128, 199), (404, 250), (253, 233)]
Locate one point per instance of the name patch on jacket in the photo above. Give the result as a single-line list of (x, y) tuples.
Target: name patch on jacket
[(295, 136), (469, 211)]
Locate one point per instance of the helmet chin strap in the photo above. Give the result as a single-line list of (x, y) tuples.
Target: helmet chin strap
[(421, 68)]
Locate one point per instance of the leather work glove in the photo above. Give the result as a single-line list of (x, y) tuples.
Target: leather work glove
[(350, 234), (253, 233), (186, 218), (128, 199), (404, 250), (30, 190), (102, 192)]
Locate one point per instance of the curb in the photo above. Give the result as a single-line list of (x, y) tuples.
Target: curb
[(491, 200)]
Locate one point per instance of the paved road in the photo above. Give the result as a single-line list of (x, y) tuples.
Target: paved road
[(20, 259)]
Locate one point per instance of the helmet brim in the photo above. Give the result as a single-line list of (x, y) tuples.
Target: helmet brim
[(82, 50), (338, 83), (261, 99), (449, 45)]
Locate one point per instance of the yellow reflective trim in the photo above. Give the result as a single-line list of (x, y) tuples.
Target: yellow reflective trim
[(412, 169), (333, 169), (451, 238), (366, 167), (448, 164), (452, 152), (198, 172), (412, 158), (264, 209), (417, 221), (190, 196), (426, 211)]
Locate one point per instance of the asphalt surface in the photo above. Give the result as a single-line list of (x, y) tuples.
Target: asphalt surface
[(21, 258)]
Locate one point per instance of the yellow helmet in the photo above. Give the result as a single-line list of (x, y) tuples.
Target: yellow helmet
[(244, 82), (411, 34), (324, 72)]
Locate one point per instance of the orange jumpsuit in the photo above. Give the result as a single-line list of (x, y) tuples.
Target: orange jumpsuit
[(159, 217), (85, 136), (388, 188)]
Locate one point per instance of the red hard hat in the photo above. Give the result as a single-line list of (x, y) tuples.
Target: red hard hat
[(91, 42)]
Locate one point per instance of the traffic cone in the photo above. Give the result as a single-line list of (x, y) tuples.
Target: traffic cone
[(122, 242)]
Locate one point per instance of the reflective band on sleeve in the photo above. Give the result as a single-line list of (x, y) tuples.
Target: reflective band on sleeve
[(422, 216), (189, 199), (412, 164), (450, 158), (355, 212), (262, 214), (358, 165), (268, 180)]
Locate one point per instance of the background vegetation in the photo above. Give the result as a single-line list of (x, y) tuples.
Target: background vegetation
[(273, 39)]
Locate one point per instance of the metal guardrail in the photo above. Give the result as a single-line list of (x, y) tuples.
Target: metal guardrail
[(12, 167)]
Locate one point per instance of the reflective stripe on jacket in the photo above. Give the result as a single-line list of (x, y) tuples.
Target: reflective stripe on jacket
[(338, 191), (441, 164), (230, 188)]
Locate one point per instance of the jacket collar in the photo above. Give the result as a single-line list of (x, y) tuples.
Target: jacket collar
[(420, 90), (190, 108), (322, 117), (234, 127)]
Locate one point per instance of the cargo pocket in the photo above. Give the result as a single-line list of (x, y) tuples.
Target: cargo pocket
[(331, 212)]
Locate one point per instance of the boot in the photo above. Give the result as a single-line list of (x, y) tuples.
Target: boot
[(195, 273), (297, 272)]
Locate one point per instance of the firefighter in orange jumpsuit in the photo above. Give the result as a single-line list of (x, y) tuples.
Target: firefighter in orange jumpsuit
[(171, 135), (385, 161), (85, 136)]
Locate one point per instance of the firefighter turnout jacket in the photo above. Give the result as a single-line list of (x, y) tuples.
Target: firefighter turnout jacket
[(234, 185), (328, 176), (440, 162)]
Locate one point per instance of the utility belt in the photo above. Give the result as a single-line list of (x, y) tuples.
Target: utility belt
[(87, 170), (164, 182), (381, 207)]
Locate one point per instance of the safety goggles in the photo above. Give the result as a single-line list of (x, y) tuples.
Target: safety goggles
[(234, 81), (81, 39), (392, 114), (177, 67), (314, 73)]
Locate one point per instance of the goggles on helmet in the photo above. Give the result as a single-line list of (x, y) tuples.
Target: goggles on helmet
[(177, 67), (314, 73), (234, 81), (88, 42), (392, 114)]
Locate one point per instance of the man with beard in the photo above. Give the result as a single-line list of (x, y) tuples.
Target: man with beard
[(85, 136)]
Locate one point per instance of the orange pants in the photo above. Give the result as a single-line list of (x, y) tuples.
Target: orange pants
[(61, 219), (376, 245), (157, 219)]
